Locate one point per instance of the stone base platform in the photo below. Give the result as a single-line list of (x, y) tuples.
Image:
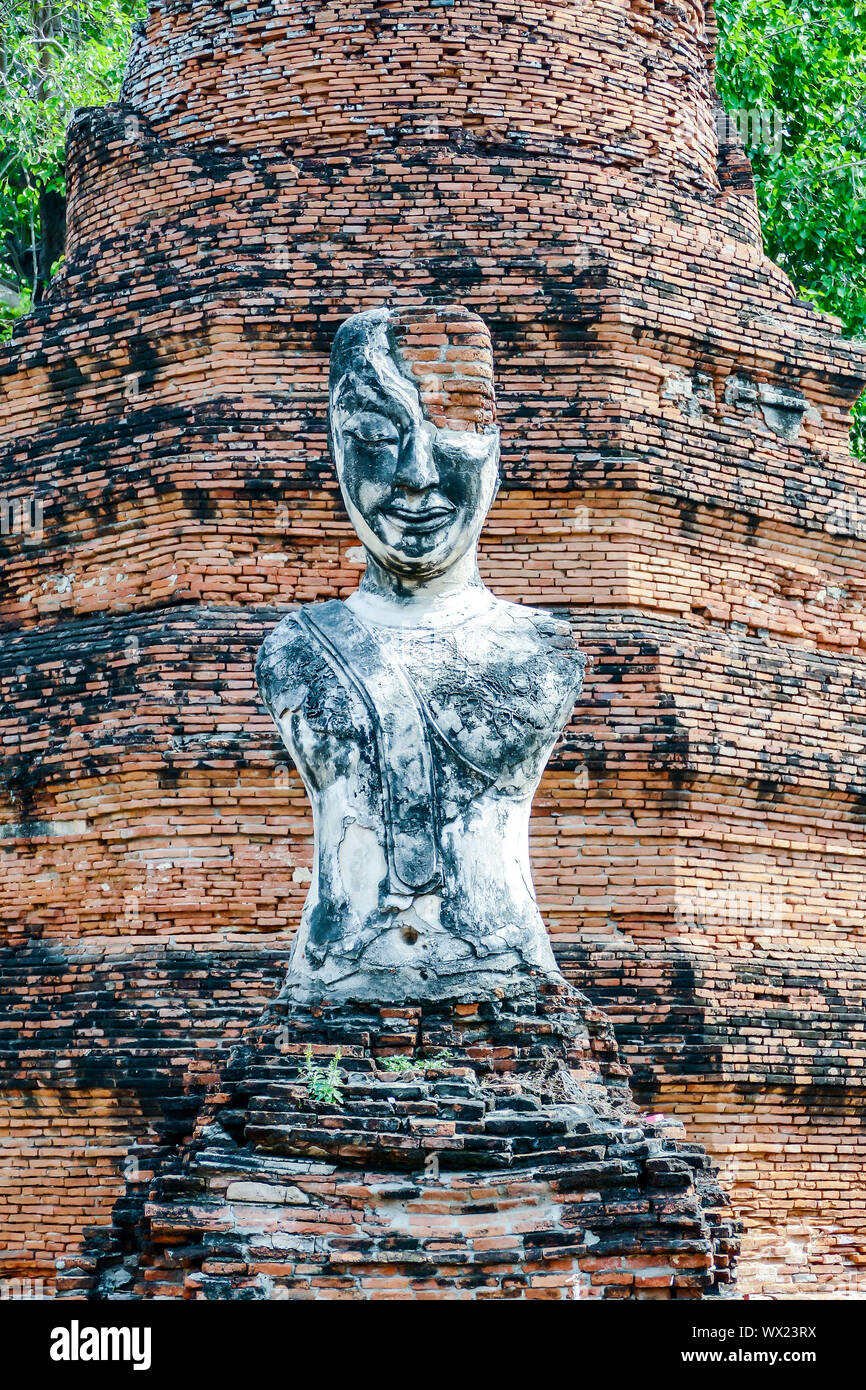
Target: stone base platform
[(502, 1158)]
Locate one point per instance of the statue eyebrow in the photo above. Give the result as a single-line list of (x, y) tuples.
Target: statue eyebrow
[(367, 396), (352, 423)]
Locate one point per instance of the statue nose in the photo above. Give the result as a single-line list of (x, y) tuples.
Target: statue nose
[(415, 468)]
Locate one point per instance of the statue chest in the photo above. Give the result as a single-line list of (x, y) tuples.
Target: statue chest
[(486, 709), (406, 729)]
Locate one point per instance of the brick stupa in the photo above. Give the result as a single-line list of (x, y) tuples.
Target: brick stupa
[(676, 479)]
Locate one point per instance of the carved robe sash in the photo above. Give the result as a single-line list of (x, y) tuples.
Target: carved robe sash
[(402, 740)]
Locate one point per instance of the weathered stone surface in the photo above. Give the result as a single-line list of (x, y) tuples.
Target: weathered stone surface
[(265, 1194)]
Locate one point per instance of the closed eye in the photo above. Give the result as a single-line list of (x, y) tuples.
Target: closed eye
[(372, 439), (372, 429)]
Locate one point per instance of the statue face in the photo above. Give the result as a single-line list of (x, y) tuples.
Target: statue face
[(417, 494)]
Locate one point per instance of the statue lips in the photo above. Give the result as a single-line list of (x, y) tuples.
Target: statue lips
[(421, 521)]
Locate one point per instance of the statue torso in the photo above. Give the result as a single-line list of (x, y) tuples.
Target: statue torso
[(421, 748)]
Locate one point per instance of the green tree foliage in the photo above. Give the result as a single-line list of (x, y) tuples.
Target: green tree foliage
[(54, 57), (806, 64)]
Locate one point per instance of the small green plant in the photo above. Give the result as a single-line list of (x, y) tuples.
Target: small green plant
[(399, 1064), (402, 1064), (323, 1083)]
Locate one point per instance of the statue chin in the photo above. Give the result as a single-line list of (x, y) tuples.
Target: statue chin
[(421, 729), (419, 563)]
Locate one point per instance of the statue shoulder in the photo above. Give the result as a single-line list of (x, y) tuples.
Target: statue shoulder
[(543, 630), (287, 665), (546, 658)]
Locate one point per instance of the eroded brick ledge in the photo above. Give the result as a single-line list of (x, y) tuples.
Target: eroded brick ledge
[(512, 1164)]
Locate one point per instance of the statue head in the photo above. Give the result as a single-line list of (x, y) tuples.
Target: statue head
[(413, 433)]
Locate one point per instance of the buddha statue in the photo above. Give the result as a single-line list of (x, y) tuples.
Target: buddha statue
[(421, 710)]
